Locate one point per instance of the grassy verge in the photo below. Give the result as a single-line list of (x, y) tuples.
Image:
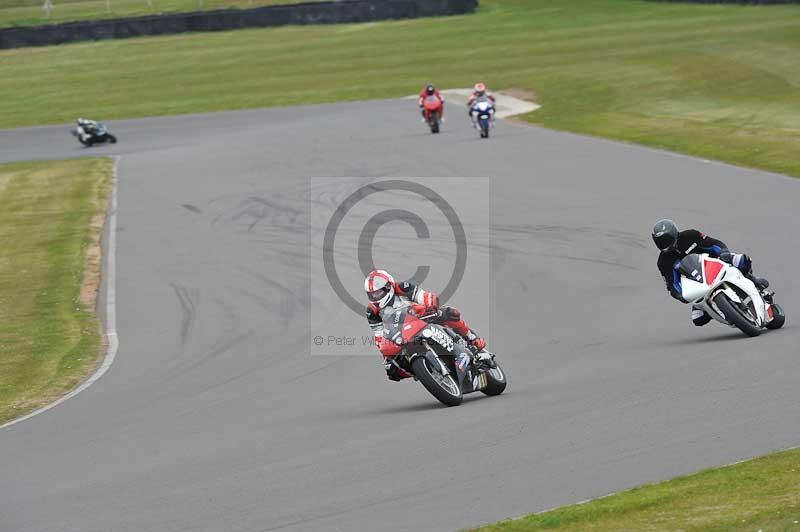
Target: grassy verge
[(719, 81), (31, 13), (50, 220), (761, 494)]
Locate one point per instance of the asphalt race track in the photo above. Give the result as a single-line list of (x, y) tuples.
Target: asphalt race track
[(215, 417)]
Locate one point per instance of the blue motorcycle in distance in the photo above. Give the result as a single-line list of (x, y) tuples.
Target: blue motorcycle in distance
[(482, 114)]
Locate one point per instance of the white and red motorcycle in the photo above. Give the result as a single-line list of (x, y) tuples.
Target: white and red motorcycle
[(729, 297)]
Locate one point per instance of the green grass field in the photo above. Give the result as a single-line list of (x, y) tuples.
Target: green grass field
[(49, 340), (718, 81), (31, 12), (753, 496)]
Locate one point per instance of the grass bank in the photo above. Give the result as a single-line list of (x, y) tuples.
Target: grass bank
[(757, 495), (51, 215), (718, 81), (31, 12)]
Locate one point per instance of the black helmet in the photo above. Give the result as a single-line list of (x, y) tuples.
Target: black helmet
[(665, 234), (430, 89)]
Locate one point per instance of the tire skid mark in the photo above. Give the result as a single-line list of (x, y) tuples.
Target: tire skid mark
[(193, 208), (188, 309)]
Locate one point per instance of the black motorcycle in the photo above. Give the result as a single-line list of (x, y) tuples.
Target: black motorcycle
[(439, 358), (91, 135)]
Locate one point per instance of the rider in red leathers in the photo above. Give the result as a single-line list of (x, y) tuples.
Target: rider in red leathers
[(383, 292), (430, 90)]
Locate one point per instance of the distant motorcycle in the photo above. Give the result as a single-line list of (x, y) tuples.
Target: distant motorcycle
[(439, 358), (91, 134), (727, 295), (432, 111), (482, 113)]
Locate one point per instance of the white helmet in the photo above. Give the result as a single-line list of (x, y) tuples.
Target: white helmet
[(379, 286)]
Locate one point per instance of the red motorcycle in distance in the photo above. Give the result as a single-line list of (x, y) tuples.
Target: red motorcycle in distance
[(439, 358), (432, 111)]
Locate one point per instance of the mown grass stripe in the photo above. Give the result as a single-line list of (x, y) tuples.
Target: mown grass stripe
[(716, 81)]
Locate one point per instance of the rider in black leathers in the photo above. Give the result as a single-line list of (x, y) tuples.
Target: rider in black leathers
[(675, 245)]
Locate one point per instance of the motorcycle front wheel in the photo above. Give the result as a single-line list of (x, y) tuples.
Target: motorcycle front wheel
[(779, 319), (442, 387), (495, 380), (112, 139), (434, 122), (736, 316)]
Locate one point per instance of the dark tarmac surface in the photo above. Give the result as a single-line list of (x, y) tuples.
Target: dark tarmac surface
[(215, 416)]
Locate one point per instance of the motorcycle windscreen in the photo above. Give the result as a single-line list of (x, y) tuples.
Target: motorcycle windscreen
[(392, 324), (432, 103), (692, 267), (400, 326)]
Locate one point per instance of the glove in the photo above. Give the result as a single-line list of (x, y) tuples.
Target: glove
[(737, 260), (431, 302), (743, 262)]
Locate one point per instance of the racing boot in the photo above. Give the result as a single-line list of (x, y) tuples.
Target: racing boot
[(394, 372), (699, 316), (761, 283)]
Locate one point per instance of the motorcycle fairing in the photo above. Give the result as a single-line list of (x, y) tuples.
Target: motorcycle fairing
[(400, 326), (432, 103), (699, 273), (704, 278)]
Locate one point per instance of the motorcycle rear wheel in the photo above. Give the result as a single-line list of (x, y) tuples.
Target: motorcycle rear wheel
[(735, 316), (425, 374)]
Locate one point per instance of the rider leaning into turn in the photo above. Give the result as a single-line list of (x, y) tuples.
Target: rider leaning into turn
[(384, 293), (427, 91), (675, 245), (86, 127)]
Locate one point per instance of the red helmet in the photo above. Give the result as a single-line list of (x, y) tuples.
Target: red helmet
[(379, 286), (480, 88)]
